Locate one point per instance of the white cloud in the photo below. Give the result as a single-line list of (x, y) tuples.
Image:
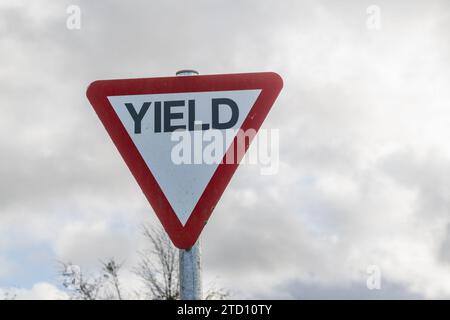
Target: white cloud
[(39, 291)]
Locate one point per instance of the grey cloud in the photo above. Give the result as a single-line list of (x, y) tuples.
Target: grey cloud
[(344, 189), (305, 291)]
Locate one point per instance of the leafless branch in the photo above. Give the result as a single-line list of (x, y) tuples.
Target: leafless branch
[(111, 271), (158, 269), (80, 287), (160, 278)]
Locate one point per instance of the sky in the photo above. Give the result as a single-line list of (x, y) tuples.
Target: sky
[(364, 118)]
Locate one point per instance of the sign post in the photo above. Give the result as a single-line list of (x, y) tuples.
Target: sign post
[(190, 259), (183, 137)]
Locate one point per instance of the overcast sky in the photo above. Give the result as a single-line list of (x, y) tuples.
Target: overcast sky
[(364, 120)]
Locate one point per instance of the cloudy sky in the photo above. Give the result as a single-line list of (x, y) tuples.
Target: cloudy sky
[(364, 120)]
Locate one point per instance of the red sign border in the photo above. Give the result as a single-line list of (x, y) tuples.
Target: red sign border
[(185, 237)]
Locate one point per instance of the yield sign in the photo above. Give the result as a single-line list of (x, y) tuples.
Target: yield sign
[(179, 136)]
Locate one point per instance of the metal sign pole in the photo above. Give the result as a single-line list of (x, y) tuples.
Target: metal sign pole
[(190, 259), (190, 273)]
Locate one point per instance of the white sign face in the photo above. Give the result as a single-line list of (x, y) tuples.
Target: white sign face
[(159, 123)]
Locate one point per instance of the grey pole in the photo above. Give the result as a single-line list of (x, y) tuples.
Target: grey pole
[(190, 259)]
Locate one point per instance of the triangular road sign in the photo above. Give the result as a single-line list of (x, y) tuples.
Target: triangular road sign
[(162, 128)]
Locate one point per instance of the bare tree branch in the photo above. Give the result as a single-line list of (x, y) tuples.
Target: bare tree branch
[(111, 271), (80, 287), (160, 279), (158, 269)]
